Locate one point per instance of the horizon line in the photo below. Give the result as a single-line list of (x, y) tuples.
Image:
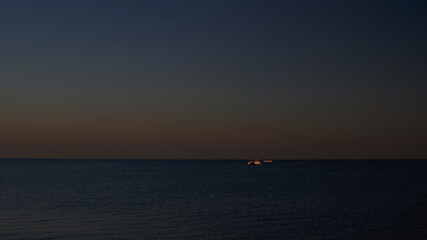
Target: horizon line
[(218, 159)]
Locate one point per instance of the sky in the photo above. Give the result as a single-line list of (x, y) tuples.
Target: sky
[(232, 79)]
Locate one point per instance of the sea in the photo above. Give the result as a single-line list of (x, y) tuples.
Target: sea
[(212, 199)]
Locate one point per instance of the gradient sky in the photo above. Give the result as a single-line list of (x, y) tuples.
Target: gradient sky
[(213, 79)]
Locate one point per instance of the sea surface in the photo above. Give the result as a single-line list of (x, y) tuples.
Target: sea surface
[(192, 199)]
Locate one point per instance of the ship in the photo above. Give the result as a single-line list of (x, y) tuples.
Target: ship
[(254, 162)]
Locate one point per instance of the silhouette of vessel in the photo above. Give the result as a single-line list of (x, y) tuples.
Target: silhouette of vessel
[(254, 162)]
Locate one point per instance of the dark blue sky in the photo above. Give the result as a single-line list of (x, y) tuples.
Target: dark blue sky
[(213, 79)]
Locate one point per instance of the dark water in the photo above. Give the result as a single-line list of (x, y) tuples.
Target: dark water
[(97, 199)]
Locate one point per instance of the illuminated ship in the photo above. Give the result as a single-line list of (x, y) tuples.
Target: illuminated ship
[(254, 162)]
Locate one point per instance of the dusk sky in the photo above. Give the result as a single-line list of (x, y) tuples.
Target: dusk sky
[(213, 79)]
